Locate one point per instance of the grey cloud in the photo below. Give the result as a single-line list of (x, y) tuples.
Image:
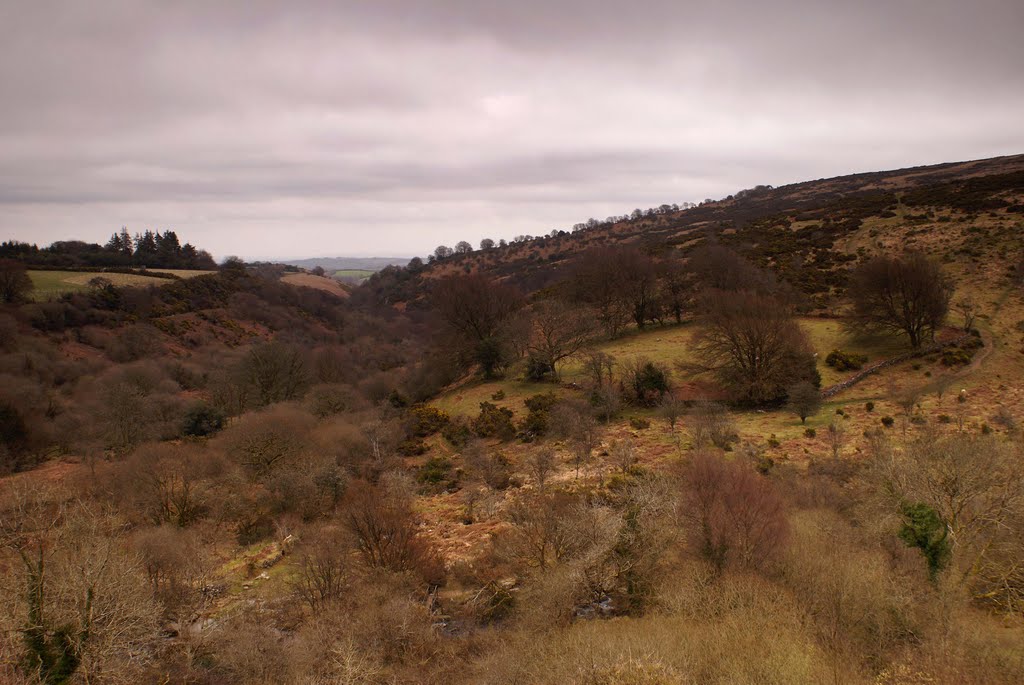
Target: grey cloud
[(391, 126)]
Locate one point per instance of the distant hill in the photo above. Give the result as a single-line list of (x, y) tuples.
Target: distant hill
[(806, 232), (332, 264)]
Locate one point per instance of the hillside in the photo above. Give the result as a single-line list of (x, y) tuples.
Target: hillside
[(968, 208), (531, 463)]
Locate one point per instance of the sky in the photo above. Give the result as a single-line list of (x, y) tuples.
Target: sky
[(387, 127)]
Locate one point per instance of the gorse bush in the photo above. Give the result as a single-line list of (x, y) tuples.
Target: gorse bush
[(202, 419), (845, 361)]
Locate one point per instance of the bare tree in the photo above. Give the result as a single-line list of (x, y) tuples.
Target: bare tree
[(88, 611), (907, 399), (264, 442), (835, 436), (381, 521), (598, 281), (906, 294), (541, 532), (972, 484), (754, 345), (476, 312), (574, 421), (623, 454), (560, 331), (710, 425), (276, 372), (715, 267), (639, 284), (732, 515), (541, 464), (968, 308), (323, 573), (672, 408)]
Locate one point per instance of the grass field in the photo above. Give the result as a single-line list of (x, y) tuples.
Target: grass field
[(667, 346), (49, 284), (357, 274)]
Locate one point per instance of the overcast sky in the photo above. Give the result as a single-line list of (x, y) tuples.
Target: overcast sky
[(387, 127)]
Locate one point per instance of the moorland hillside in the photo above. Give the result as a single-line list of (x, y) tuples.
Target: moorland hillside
[(773, 438)]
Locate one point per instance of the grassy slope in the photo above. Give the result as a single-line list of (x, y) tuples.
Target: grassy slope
[(49, 284), (667, 346), (353, 273)]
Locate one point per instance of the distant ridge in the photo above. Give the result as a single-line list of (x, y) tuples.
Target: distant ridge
[(331, 264)]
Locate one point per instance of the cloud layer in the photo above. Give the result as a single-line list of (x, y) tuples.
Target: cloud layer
[(273, 129)]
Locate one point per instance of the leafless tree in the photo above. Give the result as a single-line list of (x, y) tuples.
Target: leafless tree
[(541, 463), (715, 267), (968, 308), (276, 372), (973, 485), (323, 572), (380, 518), (88, 612), (710, 425), (835, 435), (541, 532), (672, 408), (906, 294), (598, 281), (560, 331), (623, 454), (476, 312), (574, 421), (265, 441), (732, 514), (754, 345)]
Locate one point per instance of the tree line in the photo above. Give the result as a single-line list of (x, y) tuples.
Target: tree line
[(748, 337), (149, 249)]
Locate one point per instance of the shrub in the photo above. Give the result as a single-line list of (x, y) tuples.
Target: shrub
[(924, 528), (202, 419), (538, 369), (412, 447), (955, 356), (330, 399), (381, 521), (944, 418), (810, 433), (498, 396), (458, 431), (869, 406), (646, 382), (735, 516), (537, 417), (639, 423), (494, 422), (435, 471), (427, 420), (887, 421), (709, 422), (845, 361)]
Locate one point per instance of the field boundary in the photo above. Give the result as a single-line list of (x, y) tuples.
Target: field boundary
[(834, 390)]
